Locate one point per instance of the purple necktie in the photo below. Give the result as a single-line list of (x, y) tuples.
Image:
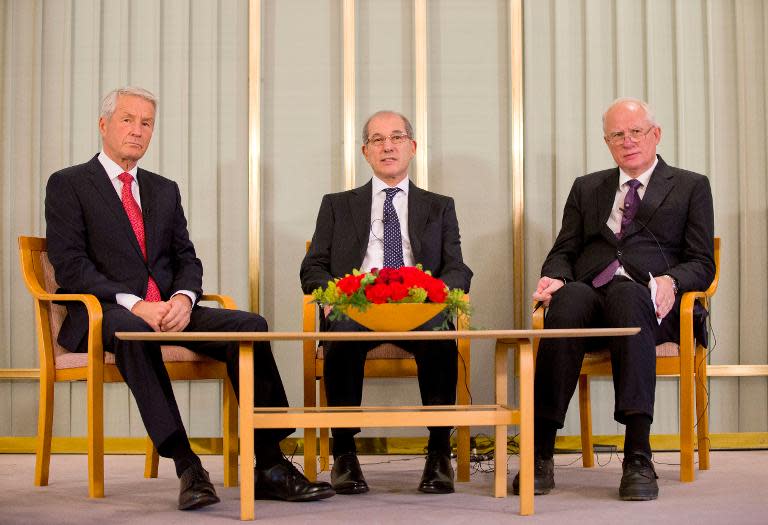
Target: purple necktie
[(628, 212)]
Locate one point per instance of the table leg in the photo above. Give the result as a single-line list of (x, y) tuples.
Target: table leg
[(501, 363), (526, 427), (246, 431)]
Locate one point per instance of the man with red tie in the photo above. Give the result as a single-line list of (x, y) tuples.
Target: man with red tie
[(119, 232)]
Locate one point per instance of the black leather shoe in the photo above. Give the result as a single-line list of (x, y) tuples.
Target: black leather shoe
[(543, 477), (346, 475), (284, 481), (438, 474), (638, 481), (196, 489)]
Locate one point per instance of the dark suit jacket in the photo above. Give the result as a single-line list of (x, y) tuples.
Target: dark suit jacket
[(343, 228), (672, 232), (94, 250)]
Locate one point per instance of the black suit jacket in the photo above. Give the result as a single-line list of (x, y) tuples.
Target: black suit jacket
[(94, 250), (672, 232), (343, 228)]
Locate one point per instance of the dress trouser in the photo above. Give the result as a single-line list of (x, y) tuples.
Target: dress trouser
[(344, 369), (140, 363), (620, 303)]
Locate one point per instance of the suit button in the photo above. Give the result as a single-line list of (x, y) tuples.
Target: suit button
[(618, 253)]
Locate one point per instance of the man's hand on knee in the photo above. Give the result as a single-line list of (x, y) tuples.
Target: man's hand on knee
[(178, 315), (151, 312), (665, 296), (546, 287)]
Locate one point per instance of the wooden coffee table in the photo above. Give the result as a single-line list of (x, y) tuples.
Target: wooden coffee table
[(500, 415)]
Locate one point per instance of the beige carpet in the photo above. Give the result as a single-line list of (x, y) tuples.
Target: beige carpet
[(734, 492)]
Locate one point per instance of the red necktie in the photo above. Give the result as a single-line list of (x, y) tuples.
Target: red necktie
[(137, 223)]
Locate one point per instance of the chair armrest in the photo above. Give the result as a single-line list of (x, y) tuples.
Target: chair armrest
[(225, 301), (688, 301), (537, 318), (309, 315), (92, 305), (95, 315), (463, 320)]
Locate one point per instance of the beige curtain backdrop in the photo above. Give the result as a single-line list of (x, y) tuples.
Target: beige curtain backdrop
[(702, 63)]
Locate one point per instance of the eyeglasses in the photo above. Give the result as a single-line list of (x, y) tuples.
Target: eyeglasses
[(378, 141), (635, 135)]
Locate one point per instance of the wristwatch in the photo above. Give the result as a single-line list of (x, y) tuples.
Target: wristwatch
[(674, 282)]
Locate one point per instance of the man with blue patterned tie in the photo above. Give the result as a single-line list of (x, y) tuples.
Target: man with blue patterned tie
[(641, 226), (388, 222)]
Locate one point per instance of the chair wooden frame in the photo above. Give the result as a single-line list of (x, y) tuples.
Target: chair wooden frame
[(389, 367), (690, 365), (32, 251)]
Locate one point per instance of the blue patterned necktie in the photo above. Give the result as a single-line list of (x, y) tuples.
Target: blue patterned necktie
[(393, 240), (631, 205)]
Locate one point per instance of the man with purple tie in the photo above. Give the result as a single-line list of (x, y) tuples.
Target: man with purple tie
[(639, 227)]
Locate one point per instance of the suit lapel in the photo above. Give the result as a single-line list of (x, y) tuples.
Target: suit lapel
[(106, 191), (418, 214), (606, 196), (659, 186), (360, 209)]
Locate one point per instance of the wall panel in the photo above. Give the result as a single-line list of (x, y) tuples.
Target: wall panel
[(751, 73), (724, 152), (702, 63), (59, 59)]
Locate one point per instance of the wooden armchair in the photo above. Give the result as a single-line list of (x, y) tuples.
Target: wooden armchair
[(386, 360), (97, 367), (688, 361)]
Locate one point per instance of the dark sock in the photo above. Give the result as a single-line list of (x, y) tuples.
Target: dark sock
[(439, 440), (637, 439), (182, 455), (268, 454), (544, 433), (343, 443)]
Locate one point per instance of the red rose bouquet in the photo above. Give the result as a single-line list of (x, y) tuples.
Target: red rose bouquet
[(409, 284)]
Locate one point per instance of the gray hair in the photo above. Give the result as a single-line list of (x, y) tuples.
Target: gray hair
[(649, 113), (109, 102), (408, 127)]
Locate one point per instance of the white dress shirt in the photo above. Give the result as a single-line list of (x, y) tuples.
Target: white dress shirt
[(114, 170), (374, 255), (614, 219)]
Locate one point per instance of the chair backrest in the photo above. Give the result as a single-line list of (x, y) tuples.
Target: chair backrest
[(40, 278)]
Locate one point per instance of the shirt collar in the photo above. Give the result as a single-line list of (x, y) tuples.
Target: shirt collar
[(379, 185), (643, 178), (113, 169)]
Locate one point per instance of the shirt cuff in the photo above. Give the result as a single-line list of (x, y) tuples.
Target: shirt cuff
[(192, 295), (127, 300)]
